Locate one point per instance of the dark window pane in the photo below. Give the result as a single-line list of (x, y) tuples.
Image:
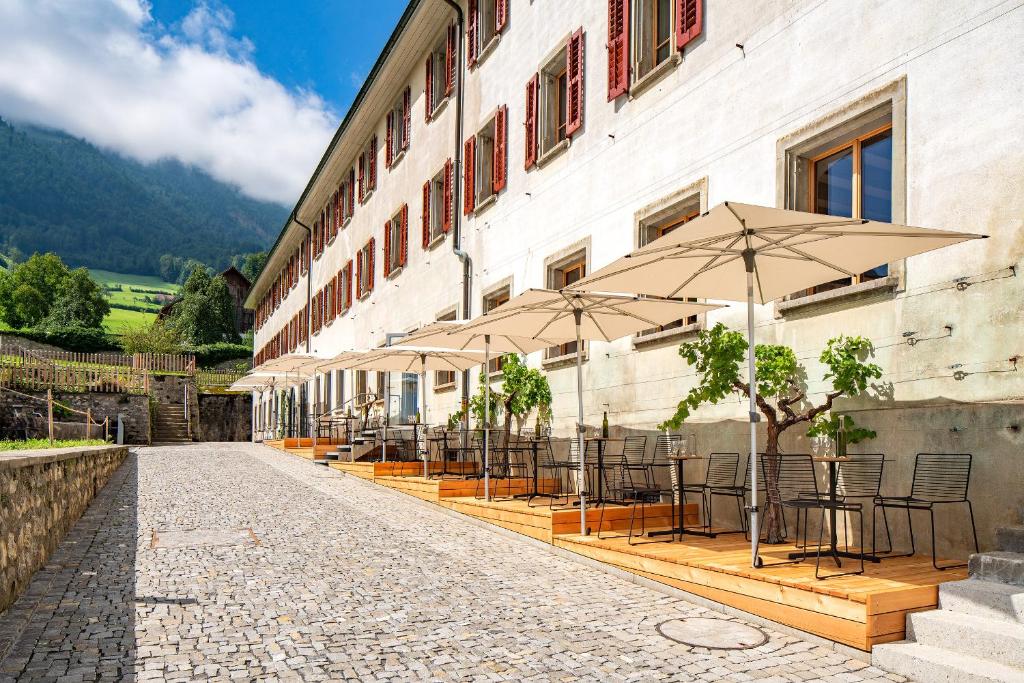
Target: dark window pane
[(833, 178), (876, 178), (662, 30)]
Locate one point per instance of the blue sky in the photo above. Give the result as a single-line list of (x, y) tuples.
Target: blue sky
[(250, 91), (324, 45)]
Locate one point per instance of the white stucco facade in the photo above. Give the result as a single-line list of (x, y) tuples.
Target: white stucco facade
[(765, 83)]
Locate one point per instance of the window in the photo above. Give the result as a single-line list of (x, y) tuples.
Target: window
[(492, 301), (396, 241), (485, 161), (437, 205), (346, 197), (562, 275), (445, 379), (659, 228), (364, 270), (642, 35), (440, 72), (368, 169), (344, 295), (554, 100), (853, 178), (382, 378), (361, 386), (486, 19), (399, 128)]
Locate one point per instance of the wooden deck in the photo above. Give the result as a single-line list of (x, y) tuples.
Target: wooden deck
[(859, 611)]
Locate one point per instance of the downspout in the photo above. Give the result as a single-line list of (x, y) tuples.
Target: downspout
[(467, 262), (309, 295)]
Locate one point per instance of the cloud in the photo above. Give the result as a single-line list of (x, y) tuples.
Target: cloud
[(107, 72)]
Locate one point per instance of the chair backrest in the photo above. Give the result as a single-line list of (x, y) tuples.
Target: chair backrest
[(861, 475), (634, 450), (665, 445), (941, 477), (722, 469), (792, 474)]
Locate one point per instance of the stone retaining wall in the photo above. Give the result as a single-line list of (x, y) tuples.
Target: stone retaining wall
[(133, 408), (42, 494), (225, 417)]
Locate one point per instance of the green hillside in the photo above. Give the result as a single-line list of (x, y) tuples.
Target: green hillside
[(128, 294), (97, 209)]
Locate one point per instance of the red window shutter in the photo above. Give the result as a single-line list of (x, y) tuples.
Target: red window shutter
[(428, 98), (426, 214), (468, 169), (500, 15), (359, 273), (500, 149), (449, 60), (373, 256), (387, 248), (471, 33), (404, 251), (373, 163), (618, 48), (446, 212), (531, 120), (348, 284), (407, 117), (351, 192), (574, 71), (389, 144), (689, 19), (362, 176)]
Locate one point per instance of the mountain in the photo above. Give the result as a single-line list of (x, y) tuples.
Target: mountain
[(98, 209)]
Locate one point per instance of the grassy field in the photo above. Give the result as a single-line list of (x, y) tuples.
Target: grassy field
[(124, 290)]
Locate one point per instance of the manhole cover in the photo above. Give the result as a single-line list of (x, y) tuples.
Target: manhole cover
[(714, 634), (195, 538)]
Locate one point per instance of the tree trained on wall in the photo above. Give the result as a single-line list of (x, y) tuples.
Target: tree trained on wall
[(718, 355), (522, 390)]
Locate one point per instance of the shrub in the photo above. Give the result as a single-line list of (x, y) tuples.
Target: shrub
[(79, 339), (208, 355)]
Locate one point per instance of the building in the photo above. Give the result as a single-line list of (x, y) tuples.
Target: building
[(587, 129), (238, 287)]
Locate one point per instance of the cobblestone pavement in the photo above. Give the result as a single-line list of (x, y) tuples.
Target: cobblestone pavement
[(339, 579)]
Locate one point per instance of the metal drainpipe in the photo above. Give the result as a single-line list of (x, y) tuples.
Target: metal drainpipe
[(467, 262), (309, 290)]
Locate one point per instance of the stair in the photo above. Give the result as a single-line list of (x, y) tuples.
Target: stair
[(977, 634), (169, 424)]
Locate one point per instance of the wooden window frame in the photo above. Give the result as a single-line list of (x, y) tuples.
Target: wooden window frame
[(557, 280), (855, 144), (491, 300), (444, 380)]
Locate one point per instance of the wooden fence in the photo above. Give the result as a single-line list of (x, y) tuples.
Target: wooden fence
[(217, 378), (106, 379), (184, 363)]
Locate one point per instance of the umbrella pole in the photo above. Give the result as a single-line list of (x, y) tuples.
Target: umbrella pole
[(423, 410), (487, 417), (384, 421), (755, 533), (580, 487)]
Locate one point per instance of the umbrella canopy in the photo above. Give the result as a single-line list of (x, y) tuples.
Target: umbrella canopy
[(551, 315), (758, 254), (258, 381), (454, 335), (288, 363), (567, 315), (417, 359), (792, 250)]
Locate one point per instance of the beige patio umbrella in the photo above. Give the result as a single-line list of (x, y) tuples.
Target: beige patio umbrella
[(418, 359), (567, 315), (744, 252), (454, 335)]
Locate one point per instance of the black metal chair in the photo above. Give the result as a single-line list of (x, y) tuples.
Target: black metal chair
[(720, 480), (632, 484), (796, 487), (939, 479), (547, 463)]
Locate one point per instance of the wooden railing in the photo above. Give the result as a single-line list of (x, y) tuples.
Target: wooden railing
[(184, 363), (34, 376), (217, 378)]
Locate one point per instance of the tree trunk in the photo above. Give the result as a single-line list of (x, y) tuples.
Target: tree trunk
[(773, 521)]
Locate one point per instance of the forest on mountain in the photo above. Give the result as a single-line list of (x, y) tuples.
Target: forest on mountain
[(97, 209)]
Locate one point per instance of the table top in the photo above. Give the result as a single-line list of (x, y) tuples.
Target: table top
[(829, 458), (673, 456)]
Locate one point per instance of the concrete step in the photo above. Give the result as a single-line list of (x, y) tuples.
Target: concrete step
[(1001, 567), (984, 599), (1010, 538), (934, 665), (993, 640)]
